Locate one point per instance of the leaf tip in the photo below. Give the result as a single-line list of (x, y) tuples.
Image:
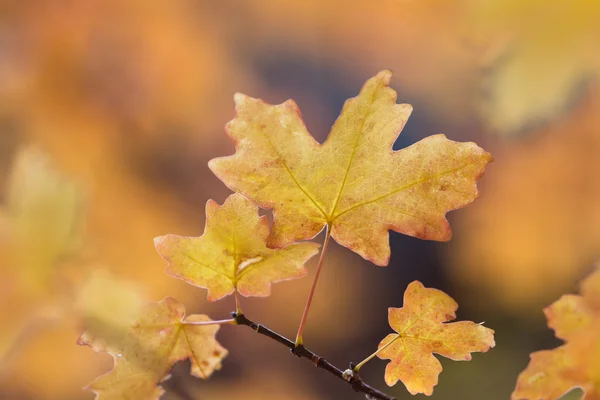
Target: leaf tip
[(82, 340), (211, 207), (239, 98), (381, 260), (211, 296), (159, 242), (384, 76), (213, 163)]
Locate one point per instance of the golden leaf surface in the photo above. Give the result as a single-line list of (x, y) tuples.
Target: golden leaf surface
[(421, 331), (354, 182), (232, 253), (552, 373), (145, 353)]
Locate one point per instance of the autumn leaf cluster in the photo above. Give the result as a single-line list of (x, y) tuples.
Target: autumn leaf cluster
[(353, 185)]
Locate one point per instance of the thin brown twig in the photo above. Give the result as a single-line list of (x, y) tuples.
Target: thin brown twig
[(352, 378)]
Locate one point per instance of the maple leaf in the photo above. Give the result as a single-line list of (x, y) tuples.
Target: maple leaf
[(421, 331), (232, 253), (353, 183), (552, 373), (107, 304), (41, 203), (145, 353)]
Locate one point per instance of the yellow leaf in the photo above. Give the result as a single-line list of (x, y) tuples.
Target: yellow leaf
[(354, 182), (42, 211), (145, 353), (552, 373), (568, 316), (421, 332), (590, 289), (106, 304), (232, 254), (547, 376), (38, 231)]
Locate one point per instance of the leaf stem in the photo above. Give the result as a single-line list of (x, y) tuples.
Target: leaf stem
[(238, 303), (300, 351), (299, 340), (379, 350), (219, 322)]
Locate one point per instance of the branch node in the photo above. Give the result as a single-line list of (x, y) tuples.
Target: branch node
[(236, 317), (298, 350), (316, 360), (348, 375)]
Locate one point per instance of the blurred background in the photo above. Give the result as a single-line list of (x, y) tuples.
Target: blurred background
[(110, 110)]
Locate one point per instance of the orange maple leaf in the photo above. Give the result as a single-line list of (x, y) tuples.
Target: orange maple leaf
[(146, 351), (552, 373), (232, 253), (421, 332), (353, 183)]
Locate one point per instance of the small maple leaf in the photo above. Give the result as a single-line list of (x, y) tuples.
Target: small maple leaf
[(232, 253), (145, 353), (421, 332), (552, 373), (354, 183)]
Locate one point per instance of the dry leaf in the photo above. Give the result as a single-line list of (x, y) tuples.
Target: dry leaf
[(552, 373), (232, 254), (146, 352), (354, 183), (421, 331)]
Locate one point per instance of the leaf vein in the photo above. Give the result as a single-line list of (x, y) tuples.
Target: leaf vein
[(208, 267), (354, 147), (418, 182), (285, 166)]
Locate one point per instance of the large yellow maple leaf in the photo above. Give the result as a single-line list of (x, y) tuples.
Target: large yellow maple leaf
[(421, 331), (146, 351), (232, 254), (354, 183), (552, 373)]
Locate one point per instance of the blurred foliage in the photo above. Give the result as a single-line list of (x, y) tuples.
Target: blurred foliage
[(39, 232), (575, 319), (537, 227), (128, 100), (540, 55)]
